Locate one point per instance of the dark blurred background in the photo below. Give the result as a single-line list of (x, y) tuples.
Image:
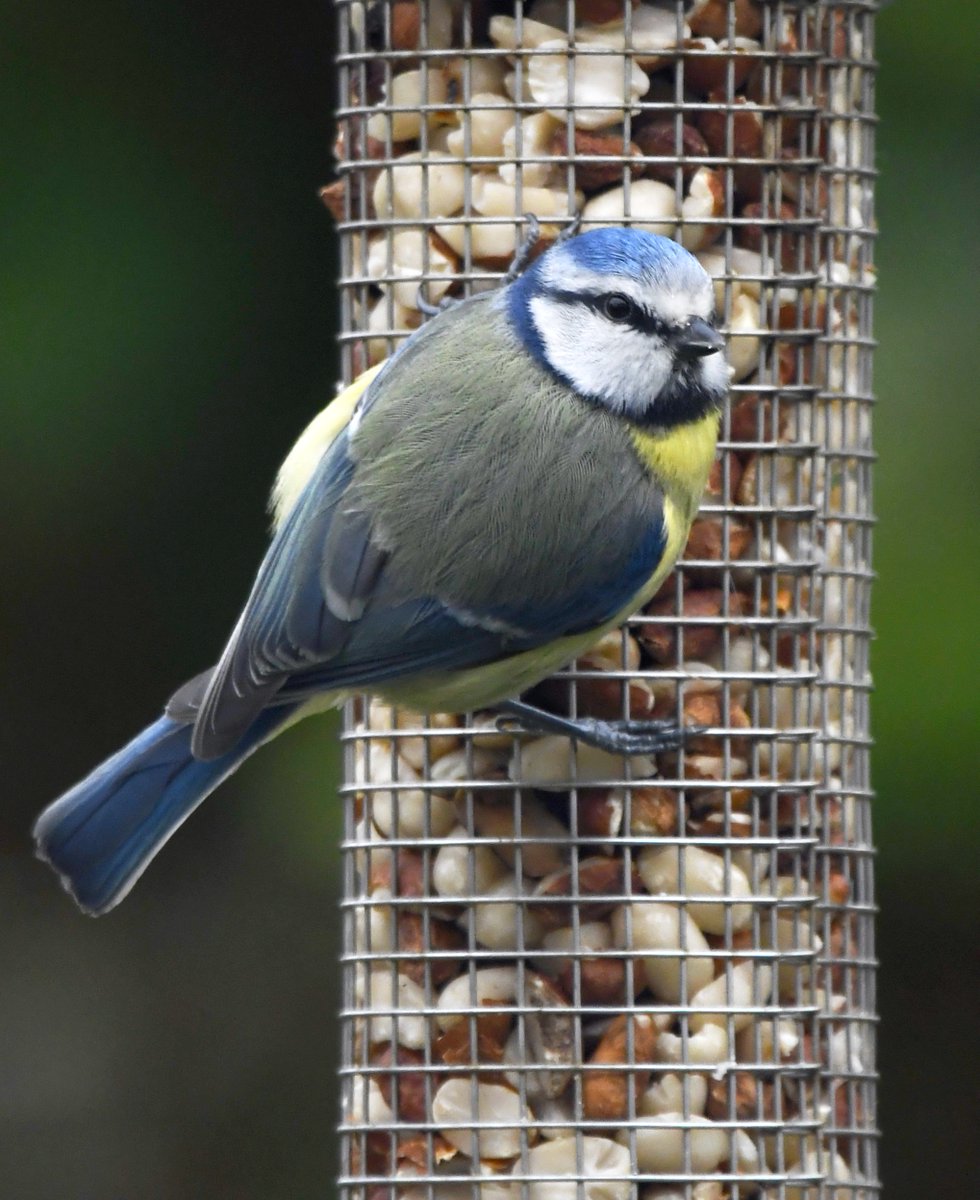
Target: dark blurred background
[(166, 289)]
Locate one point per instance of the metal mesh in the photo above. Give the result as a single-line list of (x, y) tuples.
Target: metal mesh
[(569, 975)]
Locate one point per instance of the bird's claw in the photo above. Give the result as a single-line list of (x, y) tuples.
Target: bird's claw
[(615, 737)]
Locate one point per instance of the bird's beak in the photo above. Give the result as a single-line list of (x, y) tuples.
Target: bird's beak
[(697, 340)]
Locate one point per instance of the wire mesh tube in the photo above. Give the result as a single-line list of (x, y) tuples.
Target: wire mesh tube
[(568, 974)]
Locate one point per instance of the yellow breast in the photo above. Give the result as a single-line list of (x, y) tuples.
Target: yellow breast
[(679, 460)]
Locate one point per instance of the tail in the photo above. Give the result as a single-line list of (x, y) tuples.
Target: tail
[(101, 835)]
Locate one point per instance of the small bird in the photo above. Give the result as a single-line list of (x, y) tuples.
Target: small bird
[(463, 520)]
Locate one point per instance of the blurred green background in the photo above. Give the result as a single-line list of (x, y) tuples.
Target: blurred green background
[(168, 313)]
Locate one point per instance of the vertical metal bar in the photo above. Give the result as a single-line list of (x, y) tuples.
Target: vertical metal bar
[(566, 974)]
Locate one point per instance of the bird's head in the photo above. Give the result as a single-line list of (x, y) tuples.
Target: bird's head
[(626, 319)]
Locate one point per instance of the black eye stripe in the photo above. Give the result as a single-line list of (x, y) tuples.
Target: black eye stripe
[(640, 319)]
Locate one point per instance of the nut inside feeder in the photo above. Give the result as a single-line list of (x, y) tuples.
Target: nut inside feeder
[(569, 974)]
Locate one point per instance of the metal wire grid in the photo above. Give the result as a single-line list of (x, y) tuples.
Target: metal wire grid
[(500, 894)]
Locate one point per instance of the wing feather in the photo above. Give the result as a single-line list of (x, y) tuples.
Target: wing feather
[(419, 543)]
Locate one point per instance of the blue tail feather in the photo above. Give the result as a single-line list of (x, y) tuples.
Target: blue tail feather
[(100, 835)]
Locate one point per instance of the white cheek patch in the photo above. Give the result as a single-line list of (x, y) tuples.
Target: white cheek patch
[(621, 366), (716, 374)]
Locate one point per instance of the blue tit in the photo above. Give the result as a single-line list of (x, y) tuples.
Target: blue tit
[(465, 519)]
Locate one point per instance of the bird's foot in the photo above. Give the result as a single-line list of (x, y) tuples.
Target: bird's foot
[(433, 310), (525, 250), (615, 737)]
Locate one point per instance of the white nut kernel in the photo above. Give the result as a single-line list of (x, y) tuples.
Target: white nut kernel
[(529, 140), (404, 813), (660, 1144), (507, 34), (453, 1105), (662, 927), (496, 925), (768, 1041), (544, 853), (409, 92), (385, 320), (751, 985), (365, 1103), (487, 242), (592, 84), (705, 199), (649, 205), (417, 185), (486, 120), (708, 1047), (393, 1009), (591, 937), (652, 31), (483, 75), (401, 265), (493, 197), (374, 925), (452, 867), (605, 1170), (704, 874), (743, 346), (552, 763), (491, 985), (667, 1095)]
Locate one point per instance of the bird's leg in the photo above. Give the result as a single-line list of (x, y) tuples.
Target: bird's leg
[(433, 310), (525, 249), (571, 230), (531, 239), (616, 737)]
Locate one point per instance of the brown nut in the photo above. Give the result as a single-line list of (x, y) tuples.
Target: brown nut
[(705, 709), (602, 980), (412, 941), (706, 63), (402, 872), (709, 18), (405, 24), (597, 697), (373, 1158), (751, 421), (658, 139), (599, 813), (723, 479), (334, 197), (741, 939), (653, 811), (601, 883), (707, 543), (746, 1099), (416, 1150), (700, 640), (456, 1048), (403, 1091), (589, 147), (599, 12), (838, 888), (605, 1094), (745, 120)]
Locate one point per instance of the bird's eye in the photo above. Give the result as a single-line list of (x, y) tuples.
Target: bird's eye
[(617, 307)]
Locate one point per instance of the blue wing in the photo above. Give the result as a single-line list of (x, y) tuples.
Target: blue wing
[(326, 613)]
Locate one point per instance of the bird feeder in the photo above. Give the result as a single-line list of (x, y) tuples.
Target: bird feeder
[(568, 974)]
